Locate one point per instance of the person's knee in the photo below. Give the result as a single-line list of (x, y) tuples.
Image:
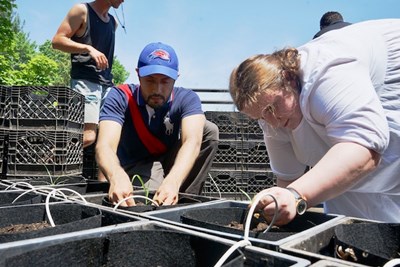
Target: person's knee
[(211, 131), (89, 135), (88, 140)]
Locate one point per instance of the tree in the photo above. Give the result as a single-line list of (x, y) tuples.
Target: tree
[(120, 74), (18, 52), (63, 63), (40, 70), (24, 47), (6, 33)]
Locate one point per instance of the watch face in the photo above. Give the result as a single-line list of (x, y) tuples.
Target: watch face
[(301, 206)]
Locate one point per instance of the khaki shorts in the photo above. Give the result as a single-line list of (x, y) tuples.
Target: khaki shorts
[(94, 94)]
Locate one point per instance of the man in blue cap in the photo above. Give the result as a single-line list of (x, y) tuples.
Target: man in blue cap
[(155, 130)]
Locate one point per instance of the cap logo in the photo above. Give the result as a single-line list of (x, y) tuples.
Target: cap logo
[(160, 53)]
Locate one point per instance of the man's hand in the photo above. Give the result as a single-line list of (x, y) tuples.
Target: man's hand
[(167, 193), (100, 58), (121, 188)]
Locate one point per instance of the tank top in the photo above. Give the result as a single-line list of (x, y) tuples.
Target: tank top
[(100, 35)]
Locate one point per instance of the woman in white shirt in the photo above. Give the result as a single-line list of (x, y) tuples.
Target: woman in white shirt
[(332, 104)]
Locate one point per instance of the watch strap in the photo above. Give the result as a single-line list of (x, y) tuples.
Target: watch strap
[(301, 201), (295, 193)]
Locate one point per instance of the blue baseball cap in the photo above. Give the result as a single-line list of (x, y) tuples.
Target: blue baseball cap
[(158, 58)]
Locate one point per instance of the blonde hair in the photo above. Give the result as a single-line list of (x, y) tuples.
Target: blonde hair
[(263, 72)]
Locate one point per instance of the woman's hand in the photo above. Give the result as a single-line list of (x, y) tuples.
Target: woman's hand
[(286, 205)]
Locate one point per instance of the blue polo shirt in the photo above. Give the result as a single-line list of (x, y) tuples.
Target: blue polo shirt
[(165, 123)]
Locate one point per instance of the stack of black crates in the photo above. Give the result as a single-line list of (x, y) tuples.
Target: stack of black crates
[(41, 131), (241, 164)]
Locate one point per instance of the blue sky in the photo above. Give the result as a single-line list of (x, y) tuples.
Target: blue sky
[(210, 36)]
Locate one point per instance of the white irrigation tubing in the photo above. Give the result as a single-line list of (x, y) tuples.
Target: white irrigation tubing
[(59, 190), (34, 189), (251, 212), (392, 263), (239, 244), (122, 200), (19, 183), (245, 241)]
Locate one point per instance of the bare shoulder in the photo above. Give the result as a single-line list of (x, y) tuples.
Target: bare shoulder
[(78, 10)]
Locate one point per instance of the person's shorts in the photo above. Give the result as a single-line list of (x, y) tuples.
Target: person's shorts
[(93, 93)]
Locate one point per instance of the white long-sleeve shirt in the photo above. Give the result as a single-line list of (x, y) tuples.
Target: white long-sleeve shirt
[(350, 93)]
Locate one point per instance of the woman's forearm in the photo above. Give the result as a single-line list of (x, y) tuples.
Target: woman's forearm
[(341, 168)]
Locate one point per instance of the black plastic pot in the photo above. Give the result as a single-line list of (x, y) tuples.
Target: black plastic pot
[(140, 207), (214, 217), (145, 245), (76, 183), (184, 200), (219, 219), (67, 217), (372, 243), (95, 186), (367, 243), (7, 198)]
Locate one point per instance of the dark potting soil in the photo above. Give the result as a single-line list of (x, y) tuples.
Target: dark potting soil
[(228, 220), (22, 228), (240, 226), (140, 206), (144, 207), (257, 224)]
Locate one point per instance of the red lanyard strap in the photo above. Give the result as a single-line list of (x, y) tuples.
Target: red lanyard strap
[(152, 143)]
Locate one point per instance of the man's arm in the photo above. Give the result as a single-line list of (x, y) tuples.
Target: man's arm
[(191, 137), (108, 162), (75, 24)]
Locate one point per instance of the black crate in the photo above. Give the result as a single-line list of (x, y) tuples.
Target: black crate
[(258, 181), (255, 155), (225, 184), (3, 97), (90, 168), (251, 129), (43, 153), (227, 122), (229, 155), (3, 136), (42, 107), (241, 155)]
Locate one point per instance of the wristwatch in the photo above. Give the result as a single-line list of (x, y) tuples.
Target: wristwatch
[(301, 202)]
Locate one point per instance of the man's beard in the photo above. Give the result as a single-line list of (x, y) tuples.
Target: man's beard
[(159, 104)]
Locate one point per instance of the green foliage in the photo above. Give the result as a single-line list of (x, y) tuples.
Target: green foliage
[(40, 70), (119, 72), (6, 71), (63, 63), (24, 47), (6, 33)]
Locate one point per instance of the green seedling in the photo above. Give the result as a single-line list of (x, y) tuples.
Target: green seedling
[(144, 187), (244, 193), (53, 181)]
